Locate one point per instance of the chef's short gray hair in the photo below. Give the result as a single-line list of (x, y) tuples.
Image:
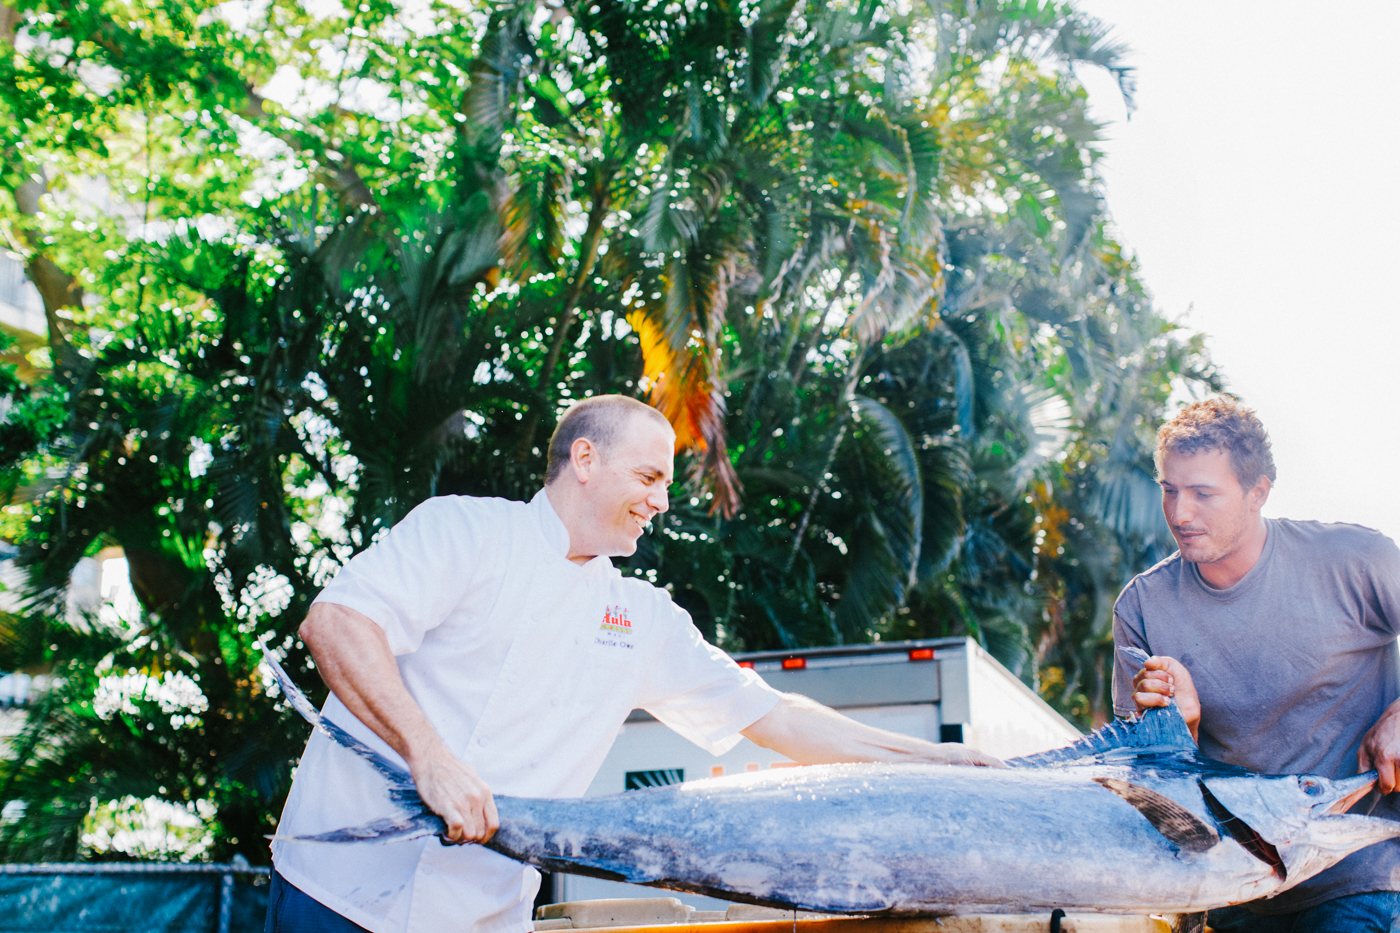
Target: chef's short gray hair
[(599, 419)]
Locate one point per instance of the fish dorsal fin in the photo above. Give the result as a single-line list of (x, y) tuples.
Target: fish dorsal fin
[(1180, 826), (1160, 729)]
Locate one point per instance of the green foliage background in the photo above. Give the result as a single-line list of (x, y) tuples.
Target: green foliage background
[(305, 265)]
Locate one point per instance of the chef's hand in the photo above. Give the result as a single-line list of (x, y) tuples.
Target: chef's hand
[(1162, 680), (454, 791), (1380, 749), (956, 753)]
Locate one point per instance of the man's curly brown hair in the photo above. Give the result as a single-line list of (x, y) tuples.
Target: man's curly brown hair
[(1220, 423)]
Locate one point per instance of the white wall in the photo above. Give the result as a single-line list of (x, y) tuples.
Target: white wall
[(1008, 719)]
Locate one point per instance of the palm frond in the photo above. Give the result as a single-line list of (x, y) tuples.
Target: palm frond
[(888, 532)]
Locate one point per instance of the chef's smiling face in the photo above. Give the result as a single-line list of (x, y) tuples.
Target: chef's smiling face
[(1210, 513), (627, 485)]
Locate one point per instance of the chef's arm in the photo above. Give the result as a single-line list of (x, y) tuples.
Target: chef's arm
[(1380, 749), (812, 734), (353, 656)]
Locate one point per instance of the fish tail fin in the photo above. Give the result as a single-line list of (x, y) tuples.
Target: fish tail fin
[(401, 784), (380, 831)]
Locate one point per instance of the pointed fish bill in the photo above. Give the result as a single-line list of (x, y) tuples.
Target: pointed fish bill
[(1352, 789), (1280, 807), (1349, 832), (1330, 838), (1302, 818)]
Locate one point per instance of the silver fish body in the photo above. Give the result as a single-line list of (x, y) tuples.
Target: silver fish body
[(1129, 819), (914, 840)]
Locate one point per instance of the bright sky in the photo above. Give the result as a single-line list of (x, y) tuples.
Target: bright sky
[(1258, 183)]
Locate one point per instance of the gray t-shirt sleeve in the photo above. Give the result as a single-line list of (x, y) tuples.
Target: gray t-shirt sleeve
[(1127, 633), (1382, 569)]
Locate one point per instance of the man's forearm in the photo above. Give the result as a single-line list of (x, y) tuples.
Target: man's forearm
[(356, 662), (353, 657), (810, 733)]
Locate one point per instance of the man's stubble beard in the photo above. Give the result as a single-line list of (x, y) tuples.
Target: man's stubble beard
[(1220, 551)]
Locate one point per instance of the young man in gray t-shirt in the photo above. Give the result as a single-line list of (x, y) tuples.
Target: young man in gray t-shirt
[(1277, 639)]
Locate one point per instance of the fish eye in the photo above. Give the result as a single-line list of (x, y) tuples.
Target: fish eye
[(1311, 788)]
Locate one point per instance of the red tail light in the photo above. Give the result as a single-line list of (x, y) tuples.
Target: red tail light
[(921, 654), (794, 664)]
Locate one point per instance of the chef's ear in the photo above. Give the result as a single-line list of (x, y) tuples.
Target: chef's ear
[(583, 458)]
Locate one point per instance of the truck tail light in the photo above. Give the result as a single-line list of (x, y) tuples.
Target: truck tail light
[(921, 654), (794, 664)]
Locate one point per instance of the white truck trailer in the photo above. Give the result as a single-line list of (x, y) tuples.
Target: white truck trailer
[(943, 690)]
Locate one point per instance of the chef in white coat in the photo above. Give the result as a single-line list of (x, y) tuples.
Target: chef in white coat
[(490, 645)]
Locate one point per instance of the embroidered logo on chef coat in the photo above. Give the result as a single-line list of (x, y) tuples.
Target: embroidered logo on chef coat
[(616, 630)]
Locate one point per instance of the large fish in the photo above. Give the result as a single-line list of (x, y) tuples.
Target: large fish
[(1130, 819)]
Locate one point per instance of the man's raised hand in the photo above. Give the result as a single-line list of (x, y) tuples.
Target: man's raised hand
[(454, 791), (1162, 680)]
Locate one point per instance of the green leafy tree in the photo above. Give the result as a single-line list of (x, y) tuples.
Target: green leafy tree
[(301, 273)]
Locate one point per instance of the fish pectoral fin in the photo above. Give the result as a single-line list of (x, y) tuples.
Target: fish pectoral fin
[(1180, 826), (1189, 923)]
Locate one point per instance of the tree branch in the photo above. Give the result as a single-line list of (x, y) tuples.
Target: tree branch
[(588, 258), (56, 287)]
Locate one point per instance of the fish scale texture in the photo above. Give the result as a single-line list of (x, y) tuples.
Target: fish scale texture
[(1069, 828), (888, 839)]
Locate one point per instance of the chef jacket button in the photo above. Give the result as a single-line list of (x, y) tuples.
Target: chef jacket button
[(554, 701), (481, 742), (425, 870), (510, 679)]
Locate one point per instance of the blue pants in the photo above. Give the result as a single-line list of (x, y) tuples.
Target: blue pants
[(291, 910), (1374, 912)]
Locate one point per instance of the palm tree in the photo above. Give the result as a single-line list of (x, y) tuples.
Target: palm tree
[(856, 255)]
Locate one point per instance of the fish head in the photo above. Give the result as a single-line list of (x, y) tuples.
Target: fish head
[(1297, 822)]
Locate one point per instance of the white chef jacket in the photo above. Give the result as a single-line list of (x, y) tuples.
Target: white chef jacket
[(526, 664)]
